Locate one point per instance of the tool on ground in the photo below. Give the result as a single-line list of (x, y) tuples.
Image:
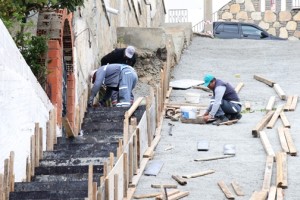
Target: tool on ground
[(170, 128)]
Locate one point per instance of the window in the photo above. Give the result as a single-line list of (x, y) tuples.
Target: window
[(231, 28), (250, 30)]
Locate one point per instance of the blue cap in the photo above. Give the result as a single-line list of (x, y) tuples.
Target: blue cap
[(207, 79)]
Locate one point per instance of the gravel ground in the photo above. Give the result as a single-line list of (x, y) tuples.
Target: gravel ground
[(233, 61)]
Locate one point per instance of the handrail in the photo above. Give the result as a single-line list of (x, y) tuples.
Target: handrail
[(296, 4)]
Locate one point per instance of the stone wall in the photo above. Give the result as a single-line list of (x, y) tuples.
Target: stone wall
[(285, 24)]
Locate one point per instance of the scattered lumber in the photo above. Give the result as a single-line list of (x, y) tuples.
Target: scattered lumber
[(225, 190), (289, 141), (294, 103), (179, 180), (195, 175), (282, 140), (143, 196), (214, 158), (268, 173), (261, 195), (266, 143), (279, 194), (284, 120), (178, 196), (281, 170), (274, 117), (272, 193), (270, 104), (288, 103), (239, 87), (260, 126), (264, 80), (163, 185), (279, 91), (237, 188), (169, 193), (230, 122)]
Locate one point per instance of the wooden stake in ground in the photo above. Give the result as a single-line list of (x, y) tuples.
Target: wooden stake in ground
[(237, 188), (225, 190)]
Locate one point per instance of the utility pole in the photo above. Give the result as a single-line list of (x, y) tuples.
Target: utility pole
[(208, 16)]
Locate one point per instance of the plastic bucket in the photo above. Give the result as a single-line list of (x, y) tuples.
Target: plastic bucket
[(188, 112), (192, 97)]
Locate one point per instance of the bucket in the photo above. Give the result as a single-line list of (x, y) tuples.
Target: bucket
[(188, 112), (192, 97)]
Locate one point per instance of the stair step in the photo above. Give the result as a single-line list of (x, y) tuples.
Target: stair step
[(66, 177), (72, 161), (57, 170), (92, 137), (50, 186), (85, 146), (102, 126), (60, 194)]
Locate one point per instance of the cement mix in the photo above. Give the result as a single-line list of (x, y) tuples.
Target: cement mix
[(234, 61)]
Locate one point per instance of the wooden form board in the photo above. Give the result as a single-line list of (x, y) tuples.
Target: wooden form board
[(268, 173), (264, 80), (274, 117), (270, 104), (266, 143), (262, 123), (279, 91)]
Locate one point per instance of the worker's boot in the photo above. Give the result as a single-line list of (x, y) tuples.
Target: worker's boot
[(237, 116), (220, 119)]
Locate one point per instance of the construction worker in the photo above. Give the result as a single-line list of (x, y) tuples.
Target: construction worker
[(116, 77), (225, 104), (121, 56)]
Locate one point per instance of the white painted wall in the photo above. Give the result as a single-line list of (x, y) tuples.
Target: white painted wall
[(22, 103)]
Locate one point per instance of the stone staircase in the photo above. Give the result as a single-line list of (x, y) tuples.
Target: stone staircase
[(63, 172)]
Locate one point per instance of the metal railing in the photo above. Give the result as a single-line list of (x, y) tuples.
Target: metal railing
[(178, 15), (199, 27)]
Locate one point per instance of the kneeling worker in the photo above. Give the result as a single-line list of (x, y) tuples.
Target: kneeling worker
[(225, 104), (116, 77)]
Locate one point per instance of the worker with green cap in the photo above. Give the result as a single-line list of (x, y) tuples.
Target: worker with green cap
[(225, 104)]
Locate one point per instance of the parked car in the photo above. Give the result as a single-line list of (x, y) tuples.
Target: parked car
[(241, 30)]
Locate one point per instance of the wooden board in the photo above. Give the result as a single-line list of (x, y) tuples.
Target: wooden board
[(225, 190), (290, 143), (279, 91), (282, 140), (262, 123), (195, 175), (268, 173), (284, 120), (261, 195), (288, 103), (274, 117), (185, 83), (68, 128), (248, 105), (214, 158), (237, 188), (239, 87), (294, 103), (143, 196), (264, 80), (272, 193), (266, 143), (178, 195), (270, 104)]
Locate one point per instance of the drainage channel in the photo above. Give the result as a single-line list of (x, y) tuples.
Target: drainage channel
[(63, 173)]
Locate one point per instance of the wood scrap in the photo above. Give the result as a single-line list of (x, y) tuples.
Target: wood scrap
[(266, 143), (279, 194), (230, 122), (270, 104), (282, 140), (225, 190), (179, 195), (237, 188), (289, 141), (169, 193), (284, 120), (294, 103), (195, 175), (288, 103), (264, 80), (214, 158), (268, 173), (262, 123), (247, 106), (272, 193), (239, 87), (163, 185), (179, 180), (279, 91), (143, 196), (261, 195), (274, 117)]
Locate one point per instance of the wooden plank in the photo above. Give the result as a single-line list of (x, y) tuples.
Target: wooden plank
[(237, 188), (284, 120), (178, 105), (125, 174), (262, 123), (248, 105), (116, 186), (32, 154), (225, 190), (135, 159), (28, 170), (134, 106), (148, 115), (6, 179), (268, 173), (261, 195), (126, 128), (179, 180), (169, 193), (282, 140), (239, 87), (150, 150), (288, 103), (284, 170), (163, 185), (144, 196), (130, 162), (11, 171), (90, 182), (179, 195), (49, 137), (214, 158), (294, 103), (264, 80), (289, 141), (1, 186), (279, 91), (41, 144), (274, 117), (136, 178), (266, 143), (37, 144), (270, 104), (195, 175), (279, 170), (68, 127), (272, 193), (111, 159), (94, 191), (279, 194)]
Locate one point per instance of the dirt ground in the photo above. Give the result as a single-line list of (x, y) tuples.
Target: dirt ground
[(234, 61)]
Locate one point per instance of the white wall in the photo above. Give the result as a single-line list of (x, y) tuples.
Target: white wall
[(22, 103)]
